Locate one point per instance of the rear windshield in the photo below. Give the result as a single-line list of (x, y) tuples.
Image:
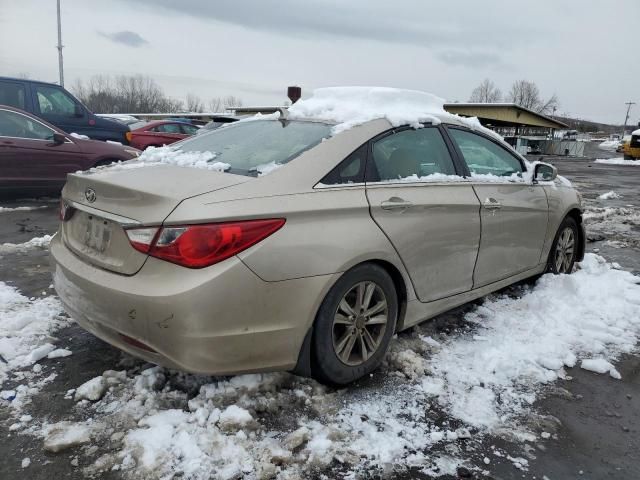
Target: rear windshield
[(252, 148)]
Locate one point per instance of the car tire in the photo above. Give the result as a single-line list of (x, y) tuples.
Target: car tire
[(628, 157), (354, 325), (564, 250)]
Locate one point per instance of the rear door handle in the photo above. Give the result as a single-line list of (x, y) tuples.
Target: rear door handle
[(396, 204), (492, 204)]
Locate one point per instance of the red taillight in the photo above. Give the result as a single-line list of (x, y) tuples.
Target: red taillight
[(198, 246)]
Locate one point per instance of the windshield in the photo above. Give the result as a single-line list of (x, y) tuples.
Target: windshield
[(253, 147)]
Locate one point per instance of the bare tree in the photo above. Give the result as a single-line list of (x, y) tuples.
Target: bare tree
[(124, 94), (527, 94), (194, 103), (486, 92), (220, 104)]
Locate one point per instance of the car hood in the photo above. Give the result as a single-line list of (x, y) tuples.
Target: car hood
[(146, 194)]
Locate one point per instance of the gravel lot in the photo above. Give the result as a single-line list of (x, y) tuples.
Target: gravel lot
[(585, 425)]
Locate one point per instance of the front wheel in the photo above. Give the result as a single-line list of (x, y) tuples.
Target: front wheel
[(354, 325), (562, 256)]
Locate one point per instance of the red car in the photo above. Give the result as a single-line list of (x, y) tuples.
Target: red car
[(159, 133), (35, 156)]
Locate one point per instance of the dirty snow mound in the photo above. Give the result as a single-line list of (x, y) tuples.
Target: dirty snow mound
[(25, 327), (37, 242), (611, 195), (20, 209), (600, 365), (63, 435), (617, 161), (488, 380)]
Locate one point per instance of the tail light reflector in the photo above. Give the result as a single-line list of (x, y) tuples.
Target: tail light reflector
[(199, 246), (66, 211)]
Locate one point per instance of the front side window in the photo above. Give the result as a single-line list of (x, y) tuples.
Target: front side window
[(484, 157), (16, 125), (55, 101), (251, 146), (412, 155), (12, 94), (167, 128), (189, 129)]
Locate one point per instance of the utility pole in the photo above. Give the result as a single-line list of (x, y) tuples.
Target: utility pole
[(624, 129), (59, 47)]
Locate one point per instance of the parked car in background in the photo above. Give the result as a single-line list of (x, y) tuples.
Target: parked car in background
[(57, 106), (35, 156), (304, 250), (217, 121), (159, 133), (631, 146)]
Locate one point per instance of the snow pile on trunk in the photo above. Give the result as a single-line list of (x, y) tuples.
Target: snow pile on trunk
[(25, 328), (351, 106), (488, 380), (37, 242), (611, 195), (170, 155), (617, 161)]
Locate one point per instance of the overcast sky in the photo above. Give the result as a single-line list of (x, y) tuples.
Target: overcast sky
[(586, 52)]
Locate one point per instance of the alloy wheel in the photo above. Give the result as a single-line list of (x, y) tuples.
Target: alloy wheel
[(359, 323), (565, 250)]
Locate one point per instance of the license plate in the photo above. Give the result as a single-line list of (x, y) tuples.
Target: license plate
[(98, 233)]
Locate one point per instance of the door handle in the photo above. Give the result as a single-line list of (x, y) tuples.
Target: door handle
[(396, 204), (492, 204)]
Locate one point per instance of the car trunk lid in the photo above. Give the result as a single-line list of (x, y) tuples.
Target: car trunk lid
[(106, 202)]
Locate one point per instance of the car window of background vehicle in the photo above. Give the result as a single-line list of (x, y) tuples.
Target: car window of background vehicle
[(12, 94), (482, 156), (13, 124), (410, 153), (55, 101)]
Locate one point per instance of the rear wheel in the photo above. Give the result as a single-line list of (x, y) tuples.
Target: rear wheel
[(354, 325), (628, 157), (562, 256)]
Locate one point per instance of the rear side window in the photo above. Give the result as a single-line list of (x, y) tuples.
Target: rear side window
[(188, 129), (167, 128), (13, 124), (350, 170), (12, 94), (484, 157), (54, 101), (412, 155)]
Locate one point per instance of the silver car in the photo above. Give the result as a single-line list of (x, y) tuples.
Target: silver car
[(310, 265)]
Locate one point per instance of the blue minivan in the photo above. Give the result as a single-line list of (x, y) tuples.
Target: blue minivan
[(57, 106)]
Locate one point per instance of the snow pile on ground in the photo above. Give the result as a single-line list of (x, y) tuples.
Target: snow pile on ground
[(432, 394), (615, 223), (20, 209), (37, 242), (617, 161), (488, 380), (351, 106), (63, 435), (169, 155), (25, 328), (611, 195), (609, 145)]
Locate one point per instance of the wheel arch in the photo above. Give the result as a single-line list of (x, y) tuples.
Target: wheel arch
[(576, 214), (303, 366)]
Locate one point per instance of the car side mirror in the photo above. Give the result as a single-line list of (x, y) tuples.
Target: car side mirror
[(77, 111), (544, 172), (58, 138)]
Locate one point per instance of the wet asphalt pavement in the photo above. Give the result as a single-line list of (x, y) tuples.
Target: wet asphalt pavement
[(596, 419)]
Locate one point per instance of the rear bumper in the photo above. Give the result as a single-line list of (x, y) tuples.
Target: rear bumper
[(218, 320)]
